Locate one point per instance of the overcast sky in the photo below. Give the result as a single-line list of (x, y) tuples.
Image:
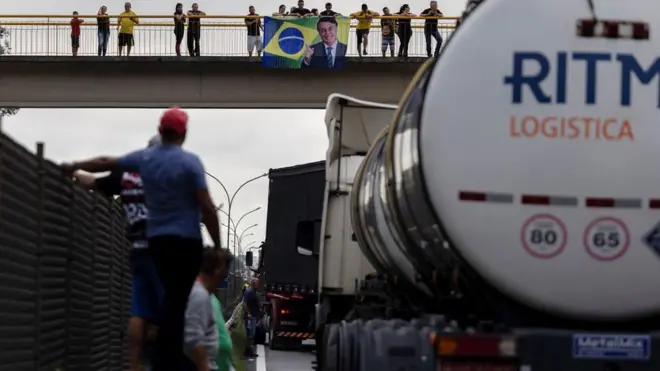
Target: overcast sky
[(234, 145)]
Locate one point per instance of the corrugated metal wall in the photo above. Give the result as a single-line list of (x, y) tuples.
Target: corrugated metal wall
[(65, 282)]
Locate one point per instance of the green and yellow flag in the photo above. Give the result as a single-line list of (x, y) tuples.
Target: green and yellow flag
[(286, 38)]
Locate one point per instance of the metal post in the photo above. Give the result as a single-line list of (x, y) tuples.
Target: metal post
[(229, 207), (2, 140), (38, 302), (69, 276)]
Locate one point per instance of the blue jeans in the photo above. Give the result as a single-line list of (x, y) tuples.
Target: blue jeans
[(428, 33), (104, 36), (148, 292), (251, 327)]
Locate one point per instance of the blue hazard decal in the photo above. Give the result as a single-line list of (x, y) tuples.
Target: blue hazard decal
[(611, 346), (652, 239)]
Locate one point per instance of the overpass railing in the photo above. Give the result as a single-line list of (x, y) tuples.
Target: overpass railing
[(64, 281), (50, 35)]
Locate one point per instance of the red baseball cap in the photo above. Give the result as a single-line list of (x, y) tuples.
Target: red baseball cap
[(174, 119)]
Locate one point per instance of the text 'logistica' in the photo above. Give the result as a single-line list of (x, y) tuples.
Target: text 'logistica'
[(553, 127)]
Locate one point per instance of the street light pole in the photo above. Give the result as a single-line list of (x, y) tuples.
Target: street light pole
[(239, 222), (229, 207), (240, 238), (231, 198), (233, 225), (242, 235), (231, 202)]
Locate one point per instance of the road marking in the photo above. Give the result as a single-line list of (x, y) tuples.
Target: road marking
[(261, 360)]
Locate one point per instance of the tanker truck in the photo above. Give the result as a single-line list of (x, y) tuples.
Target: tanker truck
[(505, 215)]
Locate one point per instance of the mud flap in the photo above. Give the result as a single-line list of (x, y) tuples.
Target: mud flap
[(330, 348)]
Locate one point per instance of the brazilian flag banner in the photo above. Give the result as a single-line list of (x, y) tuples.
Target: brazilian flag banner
[(314, 42)]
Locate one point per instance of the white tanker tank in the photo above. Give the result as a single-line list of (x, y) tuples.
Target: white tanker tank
[(521, 166)]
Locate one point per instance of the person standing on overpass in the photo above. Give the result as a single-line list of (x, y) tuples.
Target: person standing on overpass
[(176, 191), (194, 29), (126, 25), (147, 290)]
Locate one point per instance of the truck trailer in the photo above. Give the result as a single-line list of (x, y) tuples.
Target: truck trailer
[(504, 216), (296, 194)]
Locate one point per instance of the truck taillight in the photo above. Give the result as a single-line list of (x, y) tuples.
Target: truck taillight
[(474, 345), (284, 311)]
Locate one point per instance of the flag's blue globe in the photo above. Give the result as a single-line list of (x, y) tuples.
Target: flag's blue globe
[(291, 40)]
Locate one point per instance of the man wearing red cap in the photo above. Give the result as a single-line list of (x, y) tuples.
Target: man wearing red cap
[(176, 191)]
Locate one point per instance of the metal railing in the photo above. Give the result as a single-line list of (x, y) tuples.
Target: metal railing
[(220, 36), (65, 285)]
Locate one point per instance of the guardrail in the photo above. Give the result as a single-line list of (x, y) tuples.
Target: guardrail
[(50, 35), (65, 284)]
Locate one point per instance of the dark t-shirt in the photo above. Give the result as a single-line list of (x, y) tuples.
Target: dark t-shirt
[(129, 187), (403, 23), (179, 25), (253, 29), (103, 24), (431, 23), (252, 302), (301, 11), (194, 24), (330, 13)]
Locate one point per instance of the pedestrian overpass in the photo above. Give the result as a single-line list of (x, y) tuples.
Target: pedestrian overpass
[(203, 82)]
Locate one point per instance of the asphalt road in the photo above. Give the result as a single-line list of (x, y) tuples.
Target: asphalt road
[(268, 360)]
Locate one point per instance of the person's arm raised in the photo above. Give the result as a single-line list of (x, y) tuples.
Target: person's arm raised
[(94, 165)]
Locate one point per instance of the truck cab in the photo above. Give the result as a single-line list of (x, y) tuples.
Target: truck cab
[(352, 127)]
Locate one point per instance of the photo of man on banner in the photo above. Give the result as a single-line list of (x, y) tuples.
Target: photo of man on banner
[(313, 42), (329, 53)]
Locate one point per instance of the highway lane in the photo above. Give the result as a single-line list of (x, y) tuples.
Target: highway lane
[(272, 360)]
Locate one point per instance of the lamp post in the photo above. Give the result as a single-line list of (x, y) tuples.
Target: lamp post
[(231, 201), (240, 238), (239, 222), (230, 204), (231, 198), (231, 221)]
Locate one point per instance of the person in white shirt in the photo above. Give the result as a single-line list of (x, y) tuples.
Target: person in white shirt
[(201, 332)]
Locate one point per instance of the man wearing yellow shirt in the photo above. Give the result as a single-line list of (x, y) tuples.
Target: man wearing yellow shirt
[(365, 17), (127, 21)]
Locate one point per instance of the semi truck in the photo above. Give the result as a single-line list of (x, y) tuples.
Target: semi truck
[(296, 194), (504, 215)]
